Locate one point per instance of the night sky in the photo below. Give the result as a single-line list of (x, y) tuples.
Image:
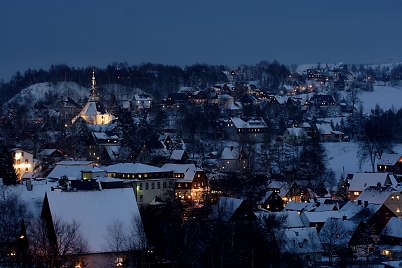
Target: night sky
[(81, 33)]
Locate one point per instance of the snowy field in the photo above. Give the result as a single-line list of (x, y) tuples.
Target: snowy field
[(342, 156), (386, 96)]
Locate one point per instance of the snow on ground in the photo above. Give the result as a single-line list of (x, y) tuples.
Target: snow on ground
[(386, 96), (342, 157)]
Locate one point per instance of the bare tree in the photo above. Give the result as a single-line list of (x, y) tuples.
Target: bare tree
[(127, 242), (58, 245), (12, 212), (331, 235)]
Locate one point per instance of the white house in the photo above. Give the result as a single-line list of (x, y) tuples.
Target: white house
[(23, 162)]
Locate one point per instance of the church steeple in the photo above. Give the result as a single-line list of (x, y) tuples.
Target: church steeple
[(93, 95)]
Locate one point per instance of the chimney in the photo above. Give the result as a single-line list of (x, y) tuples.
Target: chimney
[(365, 203), (359, 202), (231, 148), (344, 217)]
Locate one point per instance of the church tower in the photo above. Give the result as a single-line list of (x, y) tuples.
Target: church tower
[(94, 112)]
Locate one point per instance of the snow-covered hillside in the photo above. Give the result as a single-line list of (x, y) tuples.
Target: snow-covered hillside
[(51, 93)]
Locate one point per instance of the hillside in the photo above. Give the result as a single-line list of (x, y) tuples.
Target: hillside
[(50, 93)]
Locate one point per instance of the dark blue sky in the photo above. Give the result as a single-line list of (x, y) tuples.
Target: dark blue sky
[(81, 33)]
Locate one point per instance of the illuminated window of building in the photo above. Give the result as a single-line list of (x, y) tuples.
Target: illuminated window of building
[(198, 175), (356, 193), (18, 161), (26, 169), (139, 176), (397, 197), (145, 175), (398, 209), (178, 185), (185, 185), (26, 161), (392, 197)]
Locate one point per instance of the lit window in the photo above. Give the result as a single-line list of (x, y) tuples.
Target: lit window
[(397, 197), (356, 193), (392, 197)]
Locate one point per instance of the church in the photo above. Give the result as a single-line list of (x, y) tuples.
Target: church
[(94, 112)]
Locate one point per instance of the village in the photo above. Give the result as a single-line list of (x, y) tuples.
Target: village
[(229, 175)]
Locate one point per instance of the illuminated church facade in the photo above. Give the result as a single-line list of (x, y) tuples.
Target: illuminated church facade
[(94, 112)]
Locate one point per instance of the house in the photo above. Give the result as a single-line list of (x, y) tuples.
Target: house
[(23, 162), (224, 100), (96, 212), (391, 163), (237, 128), (231, 210), (234, 109), (175, 100), (325, 133), (322, 100), (338, 234), (142, 101), (294, 135), (67, 108), (233, 160), (303, 242), (299, 207), (147, 181), (271, 202), (317, 219), (191, 182), (361, 181), (383, 195), (104, 147), (390, 241), (287, 191), (249, 100)]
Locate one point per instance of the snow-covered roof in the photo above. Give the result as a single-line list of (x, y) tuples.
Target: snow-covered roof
[(75, 163), (134, 168), (231, 153), (299, 206), (393, 228), (320, 216), (233, 106), (251, 123), (225, 208), (325, 207), (104, 135), (376, 195), (47, 152), (361, 181), (95, 211), (298, 240), (324, 129), (388, 159), (188, 170), (296, 131), (177, 154), (74, 171)]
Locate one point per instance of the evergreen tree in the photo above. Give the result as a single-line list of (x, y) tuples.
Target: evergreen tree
[(7, 171)]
